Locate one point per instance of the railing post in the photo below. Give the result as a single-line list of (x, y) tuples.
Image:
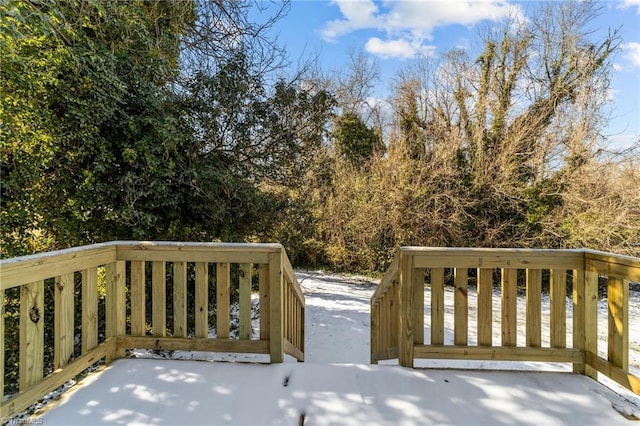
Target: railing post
[(115, 305), (406, 332), (276, 338)]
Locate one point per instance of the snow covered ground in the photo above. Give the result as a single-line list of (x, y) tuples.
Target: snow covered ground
[(334, 386)]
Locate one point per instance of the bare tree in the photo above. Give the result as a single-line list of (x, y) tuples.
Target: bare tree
[(222, 28), (354, 86)]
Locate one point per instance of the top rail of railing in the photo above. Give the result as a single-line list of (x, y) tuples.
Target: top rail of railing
[(19, 270)]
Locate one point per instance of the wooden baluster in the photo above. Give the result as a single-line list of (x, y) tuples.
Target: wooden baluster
[(294, 317), (394, 317), (115, 305), (63, 320), (591, 318), (31, 333), (302, 327), (263, 278), (461, 306), (159, 298), (385, 326), (223, 282), (89, 309), (202, 299), (245, 300), (437, 306), (558, 292), (180, 299), (289, 312), (578, 316), (292, 305), (418, 305), (534, 308), (296, 323), (374, 331), (618, 343), (509, 307), (138, 302), (485, 307), (299, 325), (294, 314), (285, 314)]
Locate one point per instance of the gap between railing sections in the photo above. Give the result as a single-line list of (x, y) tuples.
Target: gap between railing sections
[(397, 307), (138, 274)]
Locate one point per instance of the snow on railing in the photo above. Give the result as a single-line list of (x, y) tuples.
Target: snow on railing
[(132, 286), (397, 308)]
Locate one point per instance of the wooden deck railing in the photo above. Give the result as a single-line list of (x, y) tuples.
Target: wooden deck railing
[(133, 276), (398, 320)]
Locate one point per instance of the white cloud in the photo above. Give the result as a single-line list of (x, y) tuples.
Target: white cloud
[(358, 14), (402, 49), (632, 3), (632, 53), (424, 16), (407, 24)]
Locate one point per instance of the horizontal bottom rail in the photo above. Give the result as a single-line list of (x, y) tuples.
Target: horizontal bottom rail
[(390, 353), (499, 353), (198, 344), (25, 398), (290, 349), (617, 374)]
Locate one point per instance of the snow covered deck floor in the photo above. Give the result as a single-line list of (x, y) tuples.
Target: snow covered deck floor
[(173, 392), (335, 386)]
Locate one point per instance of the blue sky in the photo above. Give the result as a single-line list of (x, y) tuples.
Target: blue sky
[(398, 32)]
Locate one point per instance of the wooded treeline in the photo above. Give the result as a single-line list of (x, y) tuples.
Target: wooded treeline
[(184, 121)]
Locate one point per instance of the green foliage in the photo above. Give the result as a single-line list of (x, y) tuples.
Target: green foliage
[(354, 141), (82, 88), (263, 135)]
